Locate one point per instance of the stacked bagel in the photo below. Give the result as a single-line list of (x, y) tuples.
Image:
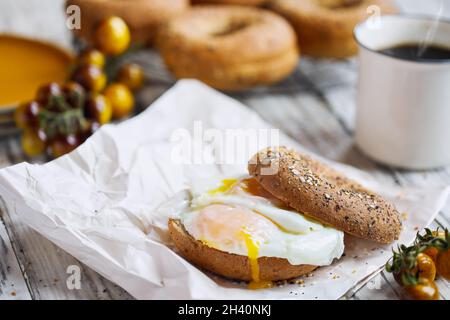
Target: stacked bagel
[(237, 44)]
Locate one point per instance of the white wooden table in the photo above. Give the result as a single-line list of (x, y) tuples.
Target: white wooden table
[(315, 106)]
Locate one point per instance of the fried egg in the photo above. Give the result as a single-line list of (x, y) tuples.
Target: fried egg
[(240, 217)]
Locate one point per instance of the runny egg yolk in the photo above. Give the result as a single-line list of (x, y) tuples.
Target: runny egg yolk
[(227, 185), (253, 250), (241, 227)]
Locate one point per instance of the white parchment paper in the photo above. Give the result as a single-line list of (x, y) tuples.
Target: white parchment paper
[(107, 203)]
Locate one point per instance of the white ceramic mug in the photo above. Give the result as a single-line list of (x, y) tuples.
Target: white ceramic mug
[(403, 107)]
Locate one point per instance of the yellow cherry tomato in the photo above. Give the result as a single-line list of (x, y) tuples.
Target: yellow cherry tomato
[(443, 264), (426, 289), (121, 98), (98, 108), (92, 57), (426, 266), (112, 36), (132, 76), (33, 142), (91, 77)]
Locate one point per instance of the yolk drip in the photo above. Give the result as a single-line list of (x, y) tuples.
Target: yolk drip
[(253, 249), (227, 185)]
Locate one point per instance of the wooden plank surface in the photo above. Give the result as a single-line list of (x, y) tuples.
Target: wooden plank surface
[(315, 106)]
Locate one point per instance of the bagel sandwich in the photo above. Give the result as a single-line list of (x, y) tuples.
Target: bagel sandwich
[(271, 226)]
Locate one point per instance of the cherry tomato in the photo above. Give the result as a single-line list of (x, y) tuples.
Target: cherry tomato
[(74, 94), (27, 115), (33, 142), (91, 77), (132, 76), (92, 57), (426, 266), (98, 108), (90, 130), (121, 98), (432, 252), (112, 36), (47, 93), (426, 289), (443, 264), (63, 144)]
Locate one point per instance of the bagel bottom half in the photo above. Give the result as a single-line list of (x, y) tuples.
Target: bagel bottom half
[(230, 265), (231, 77)]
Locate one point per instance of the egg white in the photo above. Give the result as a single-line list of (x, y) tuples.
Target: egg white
[(278, 232)]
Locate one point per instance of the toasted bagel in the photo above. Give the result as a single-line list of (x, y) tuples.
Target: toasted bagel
[(229, 47), (319, 191), (325, 27), (230, 265)]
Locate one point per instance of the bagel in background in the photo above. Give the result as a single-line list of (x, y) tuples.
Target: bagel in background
[(229, 47), (143, 17), (325, 27)]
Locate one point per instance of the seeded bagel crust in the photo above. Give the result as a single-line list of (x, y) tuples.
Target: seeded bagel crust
[(321, 192), (231, 265)]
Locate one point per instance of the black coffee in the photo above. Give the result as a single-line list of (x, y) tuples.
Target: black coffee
[(418, 52)]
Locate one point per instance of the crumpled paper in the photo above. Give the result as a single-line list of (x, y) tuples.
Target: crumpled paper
[(107, 202)]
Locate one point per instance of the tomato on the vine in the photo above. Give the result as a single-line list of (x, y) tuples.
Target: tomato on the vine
[(74, 94), (443, 264), (61, 145), (47, 93), (98, 108), (432, 252), (121, 98), (425, 266), (89, 130), (132, 76), (33, 142), (91, 77), (426, 289), (27, 115), (112, 36), (92, 57)]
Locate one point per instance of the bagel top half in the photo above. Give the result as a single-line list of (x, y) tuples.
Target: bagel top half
[(228, 35), (319, 191)]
